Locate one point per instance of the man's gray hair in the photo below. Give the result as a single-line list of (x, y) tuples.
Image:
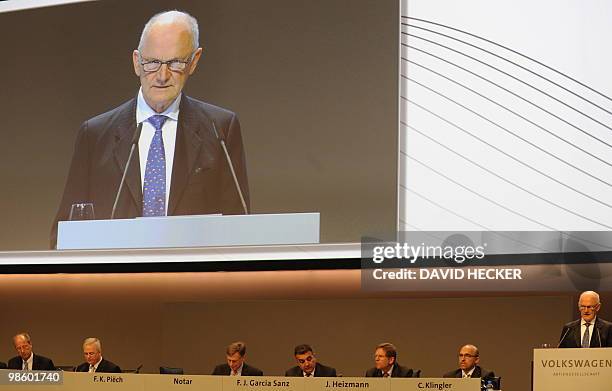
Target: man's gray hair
[(173, 16), (25, 336), (93, 341), (594, 294)]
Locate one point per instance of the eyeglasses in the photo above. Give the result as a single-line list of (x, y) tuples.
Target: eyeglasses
[(587, 307), (174, 65), (90, 353), (467, 356)]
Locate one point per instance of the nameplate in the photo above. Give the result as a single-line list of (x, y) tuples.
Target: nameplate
[(346, 384), (260, 383), (182, 382), (436, 384)]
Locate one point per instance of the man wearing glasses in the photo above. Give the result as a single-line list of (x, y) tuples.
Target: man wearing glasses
[(308, 365), (179, 167), (589, 331), (469, 358)]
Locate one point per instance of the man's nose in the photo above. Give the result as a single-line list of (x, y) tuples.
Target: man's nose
[(163, 73)]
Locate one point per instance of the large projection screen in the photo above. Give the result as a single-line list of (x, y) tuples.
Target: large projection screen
[(315, 85)]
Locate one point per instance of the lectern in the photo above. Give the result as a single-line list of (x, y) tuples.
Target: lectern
[(572, 369), (189, 231)]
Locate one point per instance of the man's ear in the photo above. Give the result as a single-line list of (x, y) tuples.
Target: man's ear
[(136, 62), (194, 63)]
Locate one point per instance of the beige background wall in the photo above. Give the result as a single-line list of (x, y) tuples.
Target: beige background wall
[(186, 319)]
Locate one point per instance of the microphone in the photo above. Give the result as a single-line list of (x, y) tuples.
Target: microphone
[(134, 142), (231, 167), (562, 338), (598, 336)]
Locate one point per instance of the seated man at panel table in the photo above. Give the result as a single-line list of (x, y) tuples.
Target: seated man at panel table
[(235, 366), (386, 365), (26, 359), (179, 166), (469, 358), (92, 350), (308, 365), (589, 331)]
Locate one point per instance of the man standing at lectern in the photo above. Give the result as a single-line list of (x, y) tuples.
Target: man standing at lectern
[(589, 331), (179, 166)]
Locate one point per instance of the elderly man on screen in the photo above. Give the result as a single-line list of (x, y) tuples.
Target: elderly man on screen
[(179, 166), (590, 331)]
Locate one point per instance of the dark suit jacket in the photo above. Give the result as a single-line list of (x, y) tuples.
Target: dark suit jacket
[(39, 363), (601, 334), (478, 372), (320, 371), (201, 180), (398, 371), (104, 367), (2, 365), (247, 370)]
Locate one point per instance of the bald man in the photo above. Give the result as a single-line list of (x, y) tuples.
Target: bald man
[(469, 358), (590, 331), (179, 166), (26, 359)]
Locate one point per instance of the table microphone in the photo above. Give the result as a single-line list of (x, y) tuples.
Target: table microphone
[(562, 338)]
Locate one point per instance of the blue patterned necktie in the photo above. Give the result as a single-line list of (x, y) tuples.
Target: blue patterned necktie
[(154, 203)]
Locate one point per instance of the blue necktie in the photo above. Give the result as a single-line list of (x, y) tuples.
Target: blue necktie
[(154, 193)]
